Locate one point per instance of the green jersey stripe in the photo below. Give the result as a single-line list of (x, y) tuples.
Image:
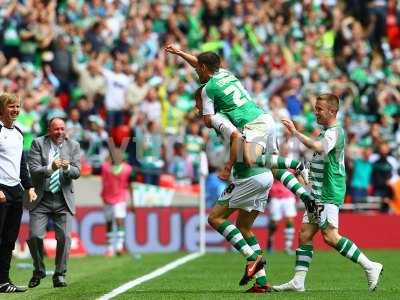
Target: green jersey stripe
[(327, 170), (316, 175), (317, 167), (315, 170)]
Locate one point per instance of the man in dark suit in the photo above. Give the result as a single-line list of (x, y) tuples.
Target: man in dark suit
[(54, 162)]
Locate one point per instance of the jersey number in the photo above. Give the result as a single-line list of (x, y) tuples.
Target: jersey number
[(229, 189), (240, 95)]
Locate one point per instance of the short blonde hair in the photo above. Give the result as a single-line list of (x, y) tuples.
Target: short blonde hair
[(331, 99), (6, 99)]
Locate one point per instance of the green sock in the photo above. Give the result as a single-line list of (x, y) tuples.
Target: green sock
[(277, 162), (291, 182), (304, 256), (348, 249), (233, 236), (261, 277)]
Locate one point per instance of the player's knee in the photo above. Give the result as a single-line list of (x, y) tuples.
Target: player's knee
[(214, 221), (328, 240), (330, 237), (211, 220)]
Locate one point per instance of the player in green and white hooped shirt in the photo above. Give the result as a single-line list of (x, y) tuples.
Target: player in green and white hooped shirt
[(328, 180)]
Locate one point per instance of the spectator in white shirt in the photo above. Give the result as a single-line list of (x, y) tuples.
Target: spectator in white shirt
[(151, 107), (117, 84)]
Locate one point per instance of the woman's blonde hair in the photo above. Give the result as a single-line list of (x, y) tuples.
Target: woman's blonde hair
[(6, 99)]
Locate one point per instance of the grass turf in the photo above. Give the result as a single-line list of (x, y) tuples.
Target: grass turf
[(213, 276)]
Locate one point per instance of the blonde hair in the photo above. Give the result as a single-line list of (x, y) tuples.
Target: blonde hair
[(6, 99), (331, 99)]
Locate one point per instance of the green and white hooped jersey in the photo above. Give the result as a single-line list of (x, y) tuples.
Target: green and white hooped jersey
[(225, 94), (328, 175)]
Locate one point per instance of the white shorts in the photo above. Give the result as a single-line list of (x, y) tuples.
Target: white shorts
[(248, 193), (329, 215), (262, 131), (115, 211), (282, 207)]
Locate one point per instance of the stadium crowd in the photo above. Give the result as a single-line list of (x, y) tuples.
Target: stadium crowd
[(100, 64)]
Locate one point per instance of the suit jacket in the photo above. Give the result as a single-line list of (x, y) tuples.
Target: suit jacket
[(38, 160)]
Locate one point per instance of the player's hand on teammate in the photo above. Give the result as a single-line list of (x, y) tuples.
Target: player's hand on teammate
[(289, 125), (174, 49)]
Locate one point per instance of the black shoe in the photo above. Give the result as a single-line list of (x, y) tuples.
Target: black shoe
[(59, 281), (35, 281), (9, 287)]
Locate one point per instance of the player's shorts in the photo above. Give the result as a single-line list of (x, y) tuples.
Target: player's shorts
[(115, 211), (282, 207), (262, 131), (248, 193), (329, 215)]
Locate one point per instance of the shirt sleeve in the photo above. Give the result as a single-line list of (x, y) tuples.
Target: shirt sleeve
[(329, 140), (26, 180), (208, 102), (223, 125)]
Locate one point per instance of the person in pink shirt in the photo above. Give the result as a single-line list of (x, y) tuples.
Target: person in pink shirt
[(116, 191), (282, 205)]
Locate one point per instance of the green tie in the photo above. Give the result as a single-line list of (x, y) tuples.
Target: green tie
[(55, 177)]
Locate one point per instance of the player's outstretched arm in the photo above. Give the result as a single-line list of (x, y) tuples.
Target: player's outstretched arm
[(175, 49), (315, 145)]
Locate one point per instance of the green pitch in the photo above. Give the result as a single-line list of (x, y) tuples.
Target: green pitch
[(213, 276)]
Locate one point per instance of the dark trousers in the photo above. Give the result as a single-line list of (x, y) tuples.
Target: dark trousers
[(10, 221)]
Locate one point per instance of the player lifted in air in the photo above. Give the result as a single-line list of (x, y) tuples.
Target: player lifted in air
[(222, 92), (328, 181)]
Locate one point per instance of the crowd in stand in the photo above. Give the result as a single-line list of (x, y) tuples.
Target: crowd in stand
[(101, 65)]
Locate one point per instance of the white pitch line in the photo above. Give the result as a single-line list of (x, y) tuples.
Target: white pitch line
[(158, 272)]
